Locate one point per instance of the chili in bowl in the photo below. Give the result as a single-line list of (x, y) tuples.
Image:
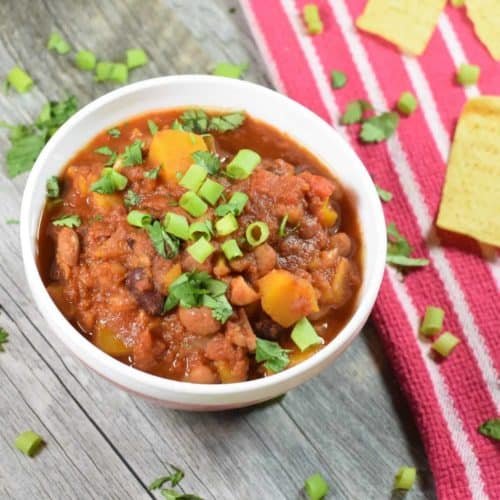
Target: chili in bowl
[(206, 256)]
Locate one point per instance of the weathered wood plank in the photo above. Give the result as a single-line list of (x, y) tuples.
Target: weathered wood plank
[(350, 423)]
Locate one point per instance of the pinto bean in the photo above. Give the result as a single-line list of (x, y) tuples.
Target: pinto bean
[(141, 287), (67, 250), (265, 256), (266, 328), (198, 320), (202, 374)]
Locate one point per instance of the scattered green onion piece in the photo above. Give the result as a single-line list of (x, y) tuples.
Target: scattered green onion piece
[(243, 164), (282, 229), (58, 43), (312, 19), (85, 60), (304, 335), (114, 132), (405, 478), (119, 73), (445, 344), (153, 128), (383, 194), (468, 74), (230, 70), (263, 231), (139, 219), (193, 204), (136, 58), (316, 487), (201, 250), (338, 79), (211, 191), (227, 225), (201, 229), (28, 442), (231, 249), (407, 103), (235, 205), (404, 261), (109, 71), (177, 225), (432, 322), (19, 79), (194, 177)]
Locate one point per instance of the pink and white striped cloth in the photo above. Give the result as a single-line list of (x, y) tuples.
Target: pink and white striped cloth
[(449, 399)]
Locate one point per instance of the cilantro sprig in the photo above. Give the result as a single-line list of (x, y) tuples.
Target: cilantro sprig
[(131, 199), (133, 154), (197, 121), (275, 358), (491, 428), (399, 250), (68, 220), (209, 161), (174, 478)]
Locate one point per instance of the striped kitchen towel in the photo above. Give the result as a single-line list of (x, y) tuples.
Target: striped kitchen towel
[(449, 399)]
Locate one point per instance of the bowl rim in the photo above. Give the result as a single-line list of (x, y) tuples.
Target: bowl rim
[(131, 377)]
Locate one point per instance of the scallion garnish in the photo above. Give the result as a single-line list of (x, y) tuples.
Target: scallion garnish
[(177, 225), (468, 74), (282, 229), (200, 250), (243, 164), (136, 58), (304, 335), (85, 60), (316, 487), (407, 103), (235, 205), (110, 71), (194, 177), (231, 249), (445, 344), (139, 219), (227, 225), (57, 43), (28, 442), (256, 233), (230, 70), (211, 191), (312, 19), (405, 478), (193, 204), (110, 181), (399, 250), (432, 322), (19, 79)]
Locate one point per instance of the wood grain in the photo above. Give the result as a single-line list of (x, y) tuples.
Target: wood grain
[(350, 423)]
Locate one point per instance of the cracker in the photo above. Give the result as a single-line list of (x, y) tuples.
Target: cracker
[(409, 24), (485, 16), (470, 203)]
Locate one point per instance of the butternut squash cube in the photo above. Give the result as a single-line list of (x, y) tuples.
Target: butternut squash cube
[(108, 342), (286, 298)]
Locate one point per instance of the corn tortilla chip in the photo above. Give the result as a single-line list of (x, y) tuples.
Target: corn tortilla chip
[(470, 203), (485, 16), (409, 24)]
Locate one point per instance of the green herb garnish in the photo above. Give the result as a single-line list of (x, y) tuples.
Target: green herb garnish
[(197, 121), (383, 194), (53, 188), (131, 199), (28, 140), (68, 221), (399, 250), (230, 70), (114, 132), (274, 356), (57, 43), (282, 229), (355, 111), (18, 79), (133, 154), (378, 128), (136, 58), (173, 478), (153, 173), (491, 428), (207, 160), (165, 244), (153, 128), (3, 338), (338, 79), (110, 181)]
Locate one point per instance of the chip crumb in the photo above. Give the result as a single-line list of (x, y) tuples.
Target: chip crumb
[(409, 24), (470, 202), (485, 16)]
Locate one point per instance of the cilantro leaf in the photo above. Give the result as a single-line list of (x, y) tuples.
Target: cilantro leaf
[(67, 220), (403, 261), (23, 153), (338, 79), (114, 132), (194, 120), (355, 111), (173, 478), (225, 123), (207, 160), (165, 244), (104, 150), (153, 128), (153, 173), (399, 250), (133, 154), (274, 356), (131, 199), (53, 188), (169, 494), (221, 308), (491, 428), (110, 181), (197, 121), (379, 128), (383, 194), (54, 114), (3, 338)]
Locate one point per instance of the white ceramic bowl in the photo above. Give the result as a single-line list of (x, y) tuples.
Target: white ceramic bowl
[(212, 92)]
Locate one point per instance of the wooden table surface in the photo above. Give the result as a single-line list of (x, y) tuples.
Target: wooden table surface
[(351, 423)]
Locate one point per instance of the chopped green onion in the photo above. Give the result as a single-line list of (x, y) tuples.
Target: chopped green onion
[(136, 58), (243, 164), (230, 70), (304, 335), (193, 204), (282, 229), (110, 71), (53, 187), (28, 442), (262, 230), (177, 225), (153, 128), (139, 219), (432, 322), (445, 344), (235, 205), (407, 103), (227, 225), (312, 19), (19, 79), (58, 43), (338, 79), (383, 194), (231, 249), (114, 132), (201, 250), (194, 177), (405, 478), (316, 487), (131, 199), (468, 74), (201, 229), (85, 60), (211, 191)]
